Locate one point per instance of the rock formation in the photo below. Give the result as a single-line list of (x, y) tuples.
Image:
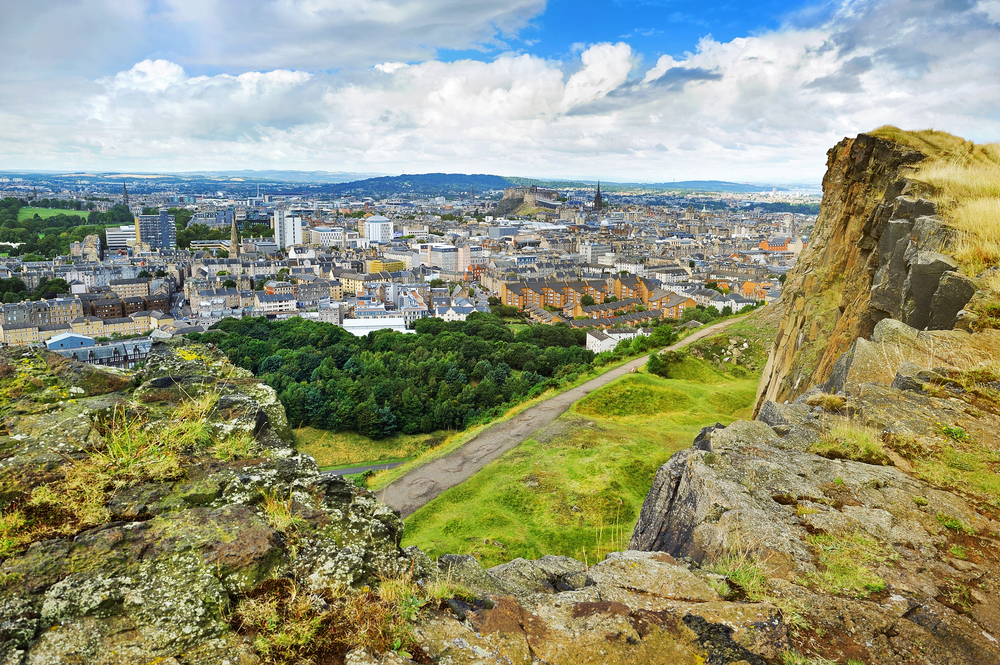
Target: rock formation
[(113, 565), (877, 251), (864, 496)]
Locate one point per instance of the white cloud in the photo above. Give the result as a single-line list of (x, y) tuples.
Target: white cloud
[(605, 67)]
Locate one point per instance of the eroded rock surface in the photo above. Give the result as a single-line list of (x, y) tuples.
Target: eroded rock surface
[(888, 562), (156, 577)]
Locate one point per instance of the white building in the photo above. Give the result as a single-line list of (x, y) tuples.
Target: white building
[(120, 238), (361, 327), (378, 229), (287, 229), (607, 340), (327, 236)]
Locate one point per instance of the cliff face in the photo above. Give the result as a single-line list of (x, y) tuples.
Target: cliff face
[(875, 253), (863, 498)]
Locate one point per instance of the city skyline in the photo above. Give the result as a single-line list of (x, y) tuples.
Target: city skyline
[(626, 90)]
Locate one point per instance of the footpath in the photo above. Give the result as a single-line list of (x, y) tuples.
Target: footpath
[(426, 482)]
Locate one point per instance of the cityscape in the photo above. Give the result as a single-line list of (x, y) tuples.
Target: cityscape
[(587, 258), (499, 332)]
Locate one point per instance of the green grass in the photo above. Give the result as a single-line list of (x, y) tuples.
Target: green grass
[(334, 450), (854, 442), (576, 487), (45, 213), (845, 562)]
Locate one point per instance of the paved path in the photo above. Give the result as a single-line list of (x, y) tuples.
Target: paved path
[(350, 471), (426, 482)]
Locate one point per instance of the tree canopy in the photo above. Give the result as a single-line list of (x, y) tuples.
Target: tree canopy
[(447, 375)]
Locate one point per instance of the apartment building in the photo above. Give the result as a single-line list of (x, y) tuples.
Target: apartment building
[(130, 288)]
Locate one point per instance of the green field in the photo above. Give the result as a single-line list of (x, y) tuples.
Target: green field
[(339, 449), (577, 487), (45, 213)]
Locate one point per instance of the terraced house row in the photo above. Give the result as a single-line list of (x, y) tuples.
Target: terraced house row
[(631, 292)]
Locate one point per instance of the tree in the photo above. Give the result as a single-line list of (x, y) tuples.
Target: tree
[(161, 273), (229, 284), (611, 299), (144, 274), (437, 283), (587, 300), (222, 254)]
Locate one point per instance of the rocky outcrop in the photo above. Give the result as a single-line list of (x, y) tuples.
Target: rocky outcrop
[(873, 509), (878, 251), (631, 608), (130, 532)]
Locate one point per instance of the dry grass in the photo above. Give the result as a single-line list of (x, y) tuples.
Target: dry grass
[(963, 178), (832, 403)]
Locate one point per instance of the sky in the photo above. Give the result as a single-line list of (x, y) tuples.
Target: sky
[(625, 90)]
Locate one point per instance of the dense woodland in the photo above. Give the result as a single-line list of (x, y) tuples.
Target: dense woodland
[(445, 376)]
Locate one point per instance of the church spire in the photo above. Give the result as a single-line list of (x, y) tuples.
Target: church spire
[(124, 196), (234, 246), (598, 201)]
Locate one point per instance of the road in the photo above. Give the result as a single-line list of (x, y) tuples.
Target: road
[(426, 482)]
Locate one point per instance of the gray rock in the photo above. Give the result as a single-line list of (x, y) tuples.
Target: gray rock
[(891, 331), (465, 569), (953, 293), (907, 378), (926, 270), (521, 577)]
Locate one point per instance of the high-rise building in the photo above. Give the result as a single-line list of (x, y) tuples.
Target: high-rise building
[(378, 229), (157, 231), (287, 229)]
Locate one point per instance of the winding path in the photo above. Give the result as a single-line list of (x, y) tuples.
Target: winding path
[(426, 482)]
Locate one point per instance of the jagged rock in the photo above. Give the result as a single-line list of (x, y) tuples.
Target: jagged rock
[(740, 489), (953, 293), (912, 377), (891, 331)]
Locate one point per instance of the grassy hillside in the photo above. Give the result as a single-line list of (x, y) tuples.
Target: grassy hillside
[(577, 487)]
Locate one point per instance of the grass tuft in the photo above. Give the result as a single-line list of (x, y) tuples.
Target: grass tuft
[(845, 562), (742, 570), (853, 442), (280, 514), (831, 403)]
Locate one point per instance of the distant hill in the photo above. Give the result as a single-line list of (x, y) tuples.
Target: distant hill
[(685, 185), (424, 184), (291, 176)]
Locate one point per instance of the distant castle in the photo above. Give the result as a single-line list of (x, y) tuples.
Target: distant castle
[(530, 195)]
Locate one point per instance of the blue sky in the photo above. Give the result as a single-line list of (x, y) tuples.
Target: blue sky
[(652, 27), (652, 90)]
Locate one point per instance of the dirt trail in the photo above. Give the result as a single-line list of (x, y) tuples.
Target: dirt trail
[(426, 482)]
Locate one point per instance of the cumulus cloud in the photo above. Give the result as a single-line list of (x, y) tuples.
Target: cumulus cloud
[(759, 107)]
